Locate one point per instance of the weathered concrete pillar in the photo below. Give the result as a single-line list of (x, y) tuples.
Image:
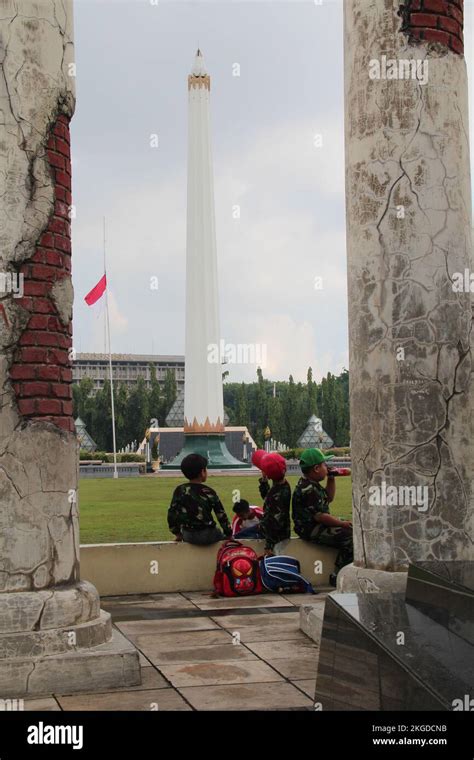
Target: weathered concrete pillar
[(49, 619), (409, 235)]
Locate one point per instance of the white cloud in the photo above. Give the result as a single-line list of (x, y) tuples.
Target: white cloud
[(283, 160), (118, 322)]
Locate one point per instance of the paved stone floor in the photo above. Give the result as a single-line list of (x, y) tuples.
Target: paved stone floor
[(200, 653)]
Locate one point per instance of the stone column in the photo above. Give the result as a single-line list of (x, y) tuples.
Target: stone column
[(49, 619), (408, 199)]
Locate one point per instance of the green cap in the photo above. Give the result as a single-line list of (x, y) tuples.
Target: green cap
[(312, 457)]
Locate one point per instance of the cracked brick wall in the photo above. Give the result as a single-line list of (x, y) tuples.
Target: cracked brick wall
[(41, 371), (39, 540), (435, 21)]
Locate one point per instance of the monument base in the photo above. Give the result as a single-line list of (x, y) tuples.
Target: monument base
[(213, 447), (58, 640), (113, 664), (352, 580)]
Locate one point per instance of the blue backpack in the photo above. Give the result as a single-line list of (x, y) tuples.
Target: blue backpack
[(283, 575)]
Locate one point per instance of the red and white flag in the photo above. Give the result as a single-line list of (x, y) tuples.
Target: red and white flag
[(97, 291)]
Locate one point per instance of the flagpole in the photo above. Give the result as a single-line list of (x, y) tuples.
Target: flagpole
[(105, 313), (110, 363)]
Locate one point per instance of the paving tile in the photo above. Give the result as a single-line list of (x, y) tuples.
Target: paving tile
[(215, 673), (297, 668), (308, 686), (189, 646), (186, 639), (131, 628), (299, 599), (271, 627), (273, 619), (162, 699), (273, 650), (204, 601), (161, 655), (258, 696), (254, 634), (153, 601), (46, 703)]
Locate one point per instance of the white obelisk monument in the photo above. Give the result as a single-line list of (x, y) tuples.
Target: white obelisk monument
[(203, 396)]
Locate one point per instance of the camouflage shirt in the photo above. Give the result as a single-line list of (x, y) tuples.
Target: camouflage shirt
[(309, 498), (192, 506), (275, 523)]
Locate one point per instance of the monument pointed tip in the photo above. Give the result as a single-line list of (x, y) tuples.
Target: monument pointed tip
[(199, 69)]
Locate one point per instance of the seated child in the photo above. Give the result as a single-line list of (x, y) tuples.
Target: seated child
[(275, 524), (190, 513), (310, 508), (246, 523)]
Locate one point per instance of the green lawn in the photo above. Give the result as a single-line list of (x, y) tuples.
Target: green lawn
[(134, 509)]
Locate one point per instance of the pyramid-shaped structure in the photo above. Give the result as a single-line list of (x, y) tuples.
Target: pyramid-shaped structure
[(175, 416), (314, 435), (85, 441)]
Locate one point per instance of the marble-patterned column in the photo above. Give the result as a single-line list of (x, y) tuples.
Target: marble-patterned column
[(408, 197), (49, 618)]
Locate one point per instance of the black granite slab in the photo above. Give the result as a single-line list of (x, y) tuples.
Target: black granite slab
[(459, 574), (379, 653), (444, 591)]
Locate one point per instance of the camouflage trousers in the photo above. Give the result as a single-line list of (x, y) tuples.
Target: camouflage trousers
[(339, 538), (203, 537)]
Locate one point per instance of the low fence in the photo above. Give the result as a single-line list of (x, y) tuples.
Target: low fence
[(293, 465), (126, 470)]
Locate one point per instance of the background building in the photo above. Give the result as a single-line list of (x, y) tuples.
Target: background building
[(127, 368)]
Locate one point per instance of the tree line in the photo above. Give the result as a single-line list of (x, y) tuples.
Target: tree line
[(283, 406), (286, 406), (135, 408)]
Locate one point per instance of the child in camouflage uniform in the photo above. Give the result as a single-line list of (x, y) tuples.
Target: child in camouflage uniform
[(190, 513), (275, 524), (310, 507)]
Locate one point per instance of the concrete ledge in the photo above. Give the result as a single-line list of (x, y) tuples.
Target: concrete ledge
[(160, 567), (311, 620)]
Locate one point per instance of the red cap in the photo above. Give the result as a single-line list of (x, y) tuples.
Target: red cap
[(257, 457), (273, 466)]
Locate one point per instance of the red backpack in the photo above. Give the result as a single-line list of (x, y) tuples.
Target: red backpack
[(237, 572)]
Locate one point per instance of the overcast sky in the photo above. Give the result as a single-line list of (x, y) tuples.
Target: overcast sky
[(133, 59)]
